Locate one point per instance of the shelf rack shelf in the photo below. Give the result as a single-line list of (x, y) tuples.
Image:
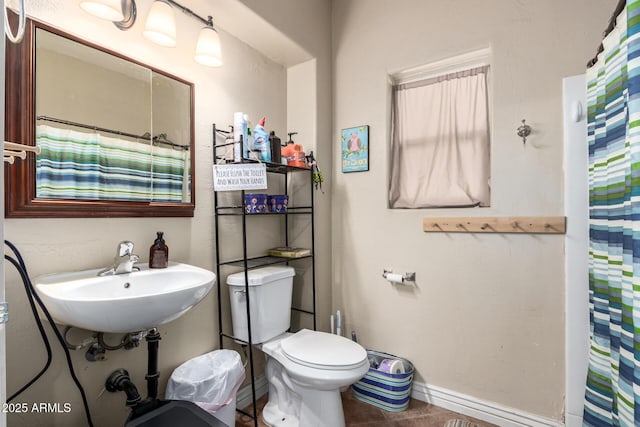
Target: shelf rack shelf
[(291, 210), (246, 262), (261, 261)]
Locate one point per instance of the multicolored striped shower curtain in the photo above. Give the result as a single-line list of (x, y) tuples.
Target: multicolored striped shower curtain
[(613, 96), (90, 166)]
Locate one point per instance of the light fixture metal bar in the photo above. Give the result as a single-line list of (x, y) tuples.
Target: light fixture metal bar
[(129, 10), (188, 11)]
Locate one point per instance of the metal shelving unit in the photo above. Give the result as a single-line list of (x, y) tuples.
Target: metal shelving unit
[(247, 263)]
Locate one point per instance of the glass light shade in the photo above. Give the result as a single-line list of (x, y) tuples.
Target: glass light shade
[(208, 50), (110, 10), (160, 27)]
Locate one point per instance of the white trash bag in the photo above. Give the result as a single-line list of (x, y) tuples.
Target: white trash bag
[(211, 380)]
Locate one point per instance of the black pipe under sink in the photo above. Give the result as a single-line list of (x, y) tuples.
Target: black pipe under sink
[(151, 411)]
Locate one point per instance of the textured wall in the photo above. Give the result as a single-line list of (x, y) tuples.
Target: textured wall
[(486, 318), (248, 82)]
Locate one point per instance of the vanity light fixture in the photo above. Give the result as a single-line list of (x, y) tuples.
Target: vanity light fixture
[(208, 50), (160, 29), (121, 12), (160, 26)]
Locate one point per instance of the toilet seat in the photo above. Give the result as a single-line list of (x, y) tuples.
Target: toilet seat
[(321, 350)]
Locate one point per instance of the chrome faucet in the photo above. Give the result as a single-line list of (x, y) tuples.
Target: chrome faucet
[(124, 260)]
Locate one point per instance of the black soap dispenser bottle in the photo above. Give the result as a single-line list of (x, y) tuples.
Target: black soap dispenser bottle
[(159, 253)]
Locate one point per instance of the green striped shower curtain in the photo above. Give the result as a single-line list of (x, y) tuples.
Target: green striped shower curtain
[(612, 395), (90, 166)]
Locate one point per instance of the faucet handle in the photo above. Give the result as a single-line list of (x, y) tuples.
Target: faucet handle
[(125, 248)]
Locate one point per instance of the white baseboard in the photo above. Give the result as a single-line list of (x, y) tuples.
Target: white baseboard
[(244, 398), (443, 398), (476, 408)]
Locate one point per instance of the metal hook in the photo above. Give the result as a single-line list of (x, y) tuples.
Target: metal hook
[(523, 131)]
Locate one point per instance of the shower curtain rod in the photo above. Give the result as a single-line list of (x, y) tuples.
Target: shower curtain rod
[(160, 139), (612, 24)]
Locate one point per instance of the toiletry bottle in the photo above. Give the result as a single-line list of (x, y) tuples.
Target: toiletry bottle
[(240, 131), (293, 153), (261, 142), (300, 160), (276, 146), (247, 139), (253, 155), (237, 150), (288, 151), (159, 253)]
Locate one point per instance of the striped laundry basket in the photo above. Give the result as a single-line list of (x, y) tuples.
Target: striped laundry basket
[(384, 389)]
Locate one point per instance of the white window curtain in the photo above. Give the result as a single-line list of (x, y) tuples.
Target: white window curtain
[(440, 142)]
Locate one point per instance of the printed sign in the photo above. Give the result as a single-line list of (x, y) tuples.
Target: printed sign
[(244, 176), (355, 149)]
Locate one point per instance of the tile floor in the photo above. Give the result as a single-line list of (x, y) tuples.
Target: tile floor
[(360, 414)]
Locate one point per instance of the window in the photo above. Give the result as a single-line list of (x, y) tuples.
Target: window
[(440, 135)]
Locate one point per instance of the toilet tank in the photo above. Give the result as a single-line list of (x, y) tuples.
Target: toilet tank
[(270, 290)]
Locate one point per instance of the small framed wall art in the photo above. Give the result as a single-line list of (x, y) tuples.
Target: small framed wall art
[(355, 149)]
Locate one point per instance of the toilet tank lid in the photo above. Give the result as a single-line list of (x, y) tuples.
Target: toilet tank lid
[(260, 276)]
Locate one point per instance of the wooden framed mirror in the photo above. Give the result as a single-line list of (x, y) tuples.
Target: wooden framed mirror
[(117, 136)]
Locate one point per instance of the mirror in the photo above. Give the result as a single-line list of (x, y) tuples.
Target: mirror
[(116, 135)]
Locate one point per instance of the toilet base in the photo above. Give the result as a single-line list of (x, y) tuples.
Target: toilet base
[(303, 395), (274, 417), (325, 411), (293, 405)]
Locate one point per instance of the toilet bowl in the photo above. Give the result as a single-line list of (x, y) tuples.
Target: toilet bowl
[(305, 372)]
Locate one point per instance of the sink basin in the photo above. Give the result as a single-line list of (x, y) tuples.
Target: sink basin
[(129, 302)]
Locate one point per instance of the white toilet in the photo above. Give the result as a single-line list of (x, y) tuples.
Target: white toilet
[(305, 370)]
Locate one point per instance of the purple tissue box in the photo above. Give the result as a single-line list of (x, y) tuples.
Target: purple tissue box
[(255, 203), (278, 202)]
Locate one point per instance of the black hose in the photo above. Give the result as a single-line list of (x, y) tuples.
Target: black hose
[(22, 269), (43, 334)]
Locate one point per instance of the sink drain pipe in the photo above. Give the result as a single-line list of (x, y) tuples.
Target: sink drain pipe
[(119, 380), (153, 338)]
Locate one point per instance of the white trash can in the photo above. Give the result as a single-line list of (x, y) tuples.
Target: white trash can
[(211, 381)]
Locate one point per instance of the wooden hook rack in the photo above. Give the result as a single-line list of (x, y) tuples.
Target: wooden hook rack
[(508, 224), (13, 150)]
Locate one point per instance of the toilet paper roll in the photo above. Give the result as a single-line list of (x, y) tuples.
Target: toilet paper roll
[(391, 366), (394, 277)]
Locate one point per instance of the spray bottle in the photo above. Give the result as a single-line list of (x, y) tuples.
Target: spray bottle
[(261, 142)]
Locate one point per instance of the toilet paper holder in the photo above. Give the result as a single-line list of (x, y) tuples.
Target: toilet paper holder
[(397, 278)]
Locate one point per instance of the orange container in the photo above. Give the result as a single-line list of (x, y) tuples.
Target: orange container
[(294, 155), (288, 152)]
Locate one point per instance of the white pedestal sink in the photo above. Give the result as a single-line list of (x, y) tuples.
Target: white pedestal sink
[(129, 302)]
